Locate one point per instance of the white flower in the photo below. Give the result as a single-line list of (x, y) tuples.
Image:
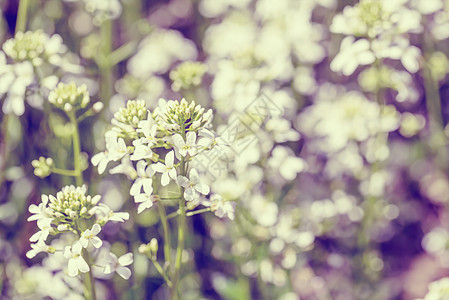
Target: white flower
[(45, 227), (144, 180), (37, 248), (141, 150), (222, 208), (20, 78), (116, 148), (76, 260), (192, 186), (168, 170), (438, 290), (185, 147), (101, 160), (114, 264), (105, 214), (90, 235), (41, 211), (351, 55), (125, 167), (287, 165), (145, 201)]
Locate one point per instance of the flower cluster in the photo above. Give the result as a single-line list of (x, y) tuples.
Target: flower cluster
[(71, 211), (438, 290), (34, 57), (69, 97), (188, 74), (175, 130), (42, 167), (36, 47)]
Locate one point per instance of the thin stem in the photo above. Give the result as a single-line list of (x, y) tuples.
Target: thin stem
[(181, 231), (167, 238), (90, 280), (76, 149), (199, 211), (105, 64), (161, 271), (122, 53), (180, 249), (64, 172), (22, 15)]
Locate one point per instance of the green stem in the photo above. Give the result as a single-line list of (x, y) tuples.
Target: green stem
[(22, 15), (64, 172), (179, 250), (90, 279), (105, 64), (199, 211), (167, 238), (181, 231), (122, 53), (76, 149), (161, 271)]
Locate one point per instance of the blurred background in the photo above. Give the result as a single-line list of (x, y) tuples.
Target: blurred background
[(341, 192)]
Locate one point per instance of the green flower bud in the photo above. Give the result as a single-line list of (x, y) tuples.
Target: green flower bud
[(69, 97), (134, 112), (42, 167)]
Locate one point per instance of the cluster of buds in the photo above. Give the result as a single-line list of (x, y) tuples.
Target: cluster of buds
[(149, 249), (42, 167), (71, 204), (71, 211), (188, 74), (176, 117), (69, 97), (134, 112), (164, 143), (36, 47)]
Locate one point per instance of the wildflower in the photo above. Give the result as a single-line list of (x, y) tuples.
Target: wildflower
[(69, 97), (352, 54), (105, 214), (114, 264), (15, 80), (222, 208), (36, 47), (192, 186), (39, 247), (45, 228), (168, 170), (185, 147), (144, 180), (71, 203), (438, 290), (287, 165), (145, 201), (134, 112), (90, 235), (76, 261), (187, 75), (42, 211), (42, 167)]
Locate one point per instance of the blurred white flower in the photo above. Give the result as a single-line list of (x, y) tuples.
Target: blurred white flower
[(286, 164), (114, 264), (352, 54), (438, 290)]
